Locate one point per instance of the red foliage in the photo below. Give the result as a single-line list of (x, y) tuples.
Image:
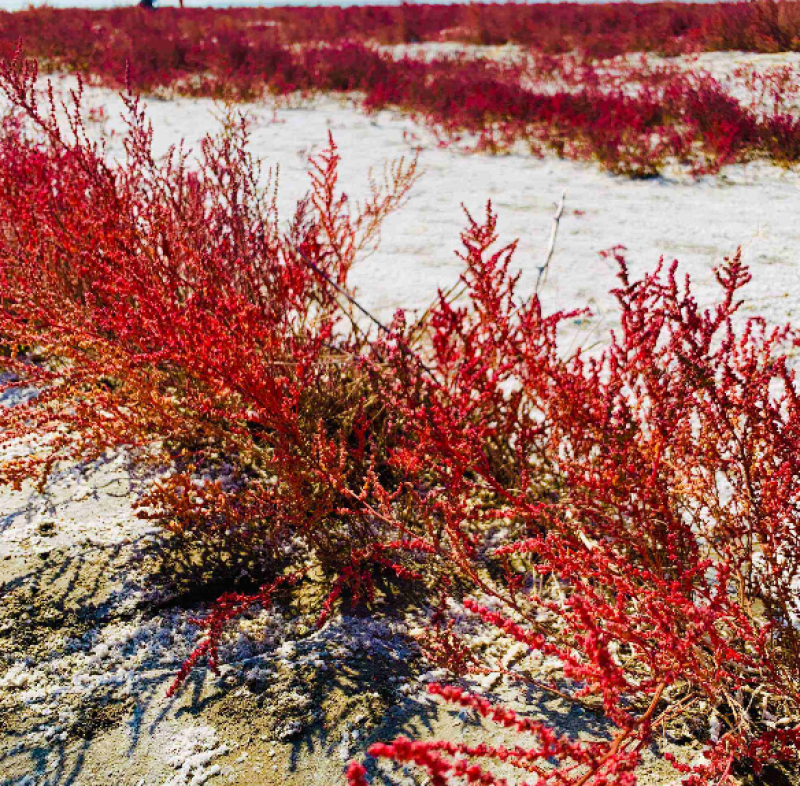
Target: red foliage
[(175, 38), (632, 514), (632, 121), (673, 542), (229, 606)]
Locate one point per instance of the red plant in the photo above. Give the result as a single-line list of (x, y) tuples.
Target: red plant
[(85, 38), (197, 328), (632, 120), (632, 514), (229, 606), (672, 542)]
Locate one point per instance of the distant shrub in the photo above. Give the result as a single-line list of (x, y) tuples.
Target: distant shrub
[(561, 96), (599, 30)]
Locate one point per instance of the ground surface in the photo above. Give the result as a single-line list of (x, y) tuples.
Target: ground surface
[(91, 635)]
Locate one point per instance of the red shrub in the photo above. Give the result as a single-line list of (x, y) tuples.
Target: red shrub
[(632, 514), (181, 312), (673, 538), (77, 38), (630, 118)]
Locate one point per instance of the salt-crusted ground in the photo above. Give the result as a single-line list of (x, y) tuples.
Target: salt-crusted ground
[(91, 632), (92, 636)]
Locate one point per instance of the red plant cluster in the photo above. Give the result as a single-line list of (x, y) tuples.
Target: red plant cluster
[(78, 39), (673, 459), (633, 514), (631, 120)]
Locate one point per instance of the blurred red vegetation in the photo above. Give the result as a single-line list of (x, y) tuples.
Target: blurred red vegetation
[(630, 118), (632, 514), (175, 37)]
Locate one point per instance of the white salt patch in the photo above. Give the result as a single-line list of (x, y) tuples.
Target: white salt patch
[(16, 677), (191, 752)]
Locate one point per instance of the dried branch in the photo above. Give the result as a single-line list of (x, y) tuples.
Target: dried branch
[(545, 266)]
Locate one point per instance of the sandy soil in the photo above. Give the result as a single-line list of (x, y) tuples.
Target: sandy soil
[(93, 632)]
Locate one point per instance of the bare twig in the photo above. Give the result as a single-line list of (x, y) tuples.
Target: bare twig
[(545, 266), (343, 292), (353, 302)]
